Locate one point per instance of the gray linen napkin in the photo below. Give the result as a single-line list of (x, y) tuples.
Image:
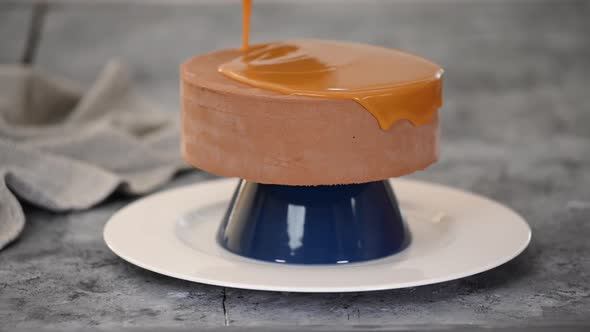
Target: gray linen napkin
[(62, 148)]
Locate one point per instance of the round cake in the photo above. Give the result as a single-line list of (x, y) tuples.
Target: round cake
[(237, 130)]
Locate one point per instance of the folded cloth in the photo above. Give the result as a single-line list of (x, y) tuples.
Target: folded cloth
[(62, 148)]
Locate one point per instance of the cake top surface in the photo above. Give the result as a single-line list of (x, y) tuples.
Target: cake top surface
[(392, 85)]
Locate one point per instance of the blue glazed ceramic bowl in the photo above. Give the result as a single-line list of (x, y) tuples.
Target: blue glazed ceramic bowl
[(314, 224)]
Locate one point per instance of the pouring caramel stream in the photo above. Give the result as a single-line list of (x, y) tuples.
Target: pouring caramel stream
[(390, 84), (246, 13)]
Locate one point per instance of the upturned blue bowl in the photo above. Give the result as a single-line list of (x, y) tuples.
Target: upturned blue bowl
[(335, 224)]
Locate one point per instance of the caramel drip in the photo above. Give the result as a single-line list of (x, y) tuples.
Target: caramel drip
[(246, 13), (390, 84)]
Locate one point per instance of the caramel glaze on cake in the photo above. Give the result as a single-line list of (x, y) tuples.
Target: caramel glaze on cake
[(390, 84), (237, 130)]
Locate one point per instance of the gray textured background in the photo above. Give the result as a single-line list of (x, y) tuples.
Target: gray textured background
[(516, 127)]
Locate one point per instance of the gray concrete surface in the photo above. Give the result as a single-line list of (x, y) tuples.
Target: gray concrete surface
[(14, 24), (516, 127)]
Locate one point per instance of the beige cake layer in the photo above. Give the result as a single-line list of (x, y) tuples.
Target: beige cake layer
[(235, 130)]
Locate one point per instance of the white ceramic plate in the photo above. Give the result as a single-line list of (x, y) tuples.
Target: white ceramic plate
[(454, 234)]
